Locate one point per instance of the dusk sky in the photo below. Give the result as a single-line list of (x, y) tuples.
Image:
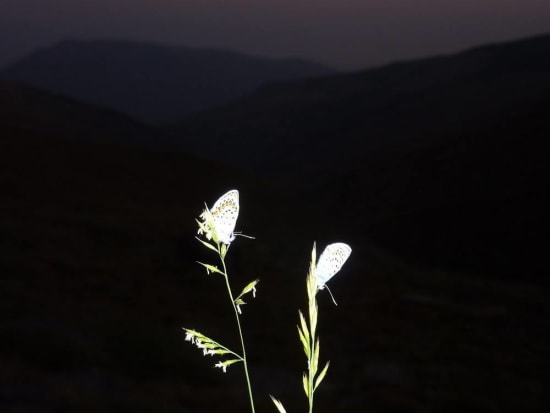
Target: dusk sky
[(346, 34)]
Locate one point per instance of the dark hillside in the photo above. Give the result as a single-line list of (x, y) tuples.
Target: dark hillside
[(151, 83), (98, 274), (33, 112), (298, 126)]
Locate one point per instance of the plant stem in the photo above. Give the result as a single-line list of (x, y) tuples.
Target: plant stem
[(311, 361), (245, 363)]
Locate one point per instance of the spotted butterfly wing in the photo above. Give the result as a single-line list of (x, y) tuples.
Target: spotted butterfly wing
[(330, 262), (224, 214)]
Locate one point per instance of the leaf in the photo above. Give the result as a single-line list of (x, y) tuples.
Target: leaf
[(304, 341), (315, 361), (230, 362), (305, 383), (248, 288), (321, 376), (304, 327), (313, 318), (210, 345), (221, 352), (278, 404), (210, 268), (207, 244), (239, 301)]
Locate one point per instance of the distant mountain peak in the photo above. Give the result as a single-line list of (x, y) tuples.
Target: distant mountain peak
[(152, 82)]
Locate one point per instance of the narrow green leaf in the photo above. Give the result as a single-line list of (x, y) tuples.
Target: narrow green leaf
[(304, 341), (221, 352), (278, 404), (304, 327), (230, 362), (193, 333), (207, 244), (321, 375), (248, 288), (210, 268), (315, 361), (306, 387), (207, 342), (316, 355), (313, 319)]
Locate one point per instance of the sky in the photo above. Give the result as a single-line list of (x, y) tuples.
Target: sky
[(345, 34)]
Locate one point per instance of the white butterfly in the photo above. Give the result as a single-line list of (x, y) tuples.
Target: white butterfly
[(330, 262), (224, 214)]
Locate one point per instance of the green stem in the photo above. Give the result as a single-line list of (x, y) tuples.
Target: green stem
[(245, 363), (311, 373), (311, 286), (310, 388)]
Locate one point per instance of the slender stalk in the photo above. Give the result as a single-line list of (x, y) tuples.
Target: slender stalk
[(312, 309), (309, 338), (244, 359), (311, 377)]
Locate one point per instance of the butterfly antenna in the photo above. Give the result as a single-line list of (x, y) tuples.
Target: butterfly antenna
[(331, 296), (240, 234)]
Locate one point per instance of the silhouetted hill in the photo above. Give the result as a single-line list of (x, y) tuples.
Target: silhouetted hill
[(300, 125), (32, 112), (441, 159), (151, 83)]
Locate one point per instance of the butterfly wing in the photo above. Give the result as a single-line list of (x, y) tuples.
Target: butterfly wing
[(224, 214), (331, 261)]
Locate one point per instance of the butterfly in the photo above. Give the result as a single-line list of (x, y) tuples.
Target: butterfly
[(330, 262), (224, 215)]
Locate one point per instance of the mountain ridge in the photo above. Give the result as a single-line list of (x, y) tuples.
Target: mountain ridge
[(33, 112), (428, 96), (151, 82)]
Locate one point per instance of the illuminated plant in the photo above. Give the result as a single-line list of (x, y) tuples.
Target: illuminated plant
[(217, 227), (330, 262)]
